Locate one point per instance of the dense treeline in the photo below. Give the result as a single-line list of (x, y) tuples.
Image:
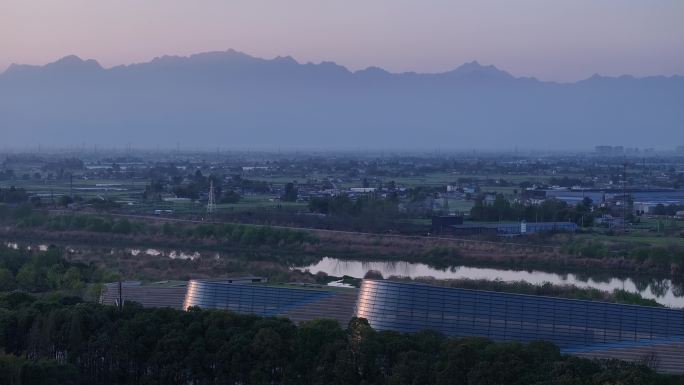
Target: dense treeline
[(23, 371), (565, 181), (44, 271), (244, 235), (13, 195), (92, 223), (85, 343), (551, 210), (667, 257), (343, 205), (230, 234), (192, 186), (670, 210), (365, 213)]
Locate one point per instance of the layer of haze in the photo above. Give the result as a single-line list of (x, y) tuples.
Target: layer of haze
[(563, 40)]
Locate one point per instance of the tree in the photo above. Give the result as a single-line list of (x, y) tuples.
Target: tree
[(65, 200), (290, 193), (72, 279), (122, 226), (30, 279), (231, 197), (13, 195), (585, 205), (98, 344), (6, 280)]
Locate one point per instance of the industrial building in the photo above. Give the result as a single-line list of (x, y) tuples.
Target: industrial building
[(583, 328)]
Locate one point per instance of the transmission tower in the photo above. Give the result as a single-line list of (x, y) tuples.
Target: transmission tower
[(624, 197), (211, 204)]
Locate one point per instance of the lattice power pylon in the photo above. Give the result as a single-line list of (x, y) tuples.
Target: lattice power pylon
[(211, 203)]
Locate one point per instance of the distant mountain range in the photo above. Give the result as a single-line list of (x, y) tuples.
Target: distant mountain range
[(230, 99)]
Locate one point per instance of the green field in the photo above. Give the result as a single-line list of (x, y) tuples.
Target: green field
[(123, 189), (635, 238), (128, 192), (430, 180)]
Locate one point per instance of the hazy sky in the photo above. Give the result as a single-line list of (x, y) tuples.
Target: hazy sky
[(550, 39)]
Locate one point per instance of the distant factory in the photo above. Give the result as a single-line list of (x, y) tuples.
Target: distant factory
[(454, 225)]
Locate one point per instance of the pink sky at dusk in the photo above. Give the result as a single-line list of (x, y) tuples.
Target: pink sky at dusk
[(562, 40)]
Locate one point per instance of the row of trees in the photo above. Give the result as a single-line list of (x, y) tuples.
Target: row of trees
[(241, 235), (23, 371), (226, 190), (364, 213), (13, 195), (230, 234), (669, 210), (94, 344), (666, 257), (92, 223), (551, 210), (345, 206)]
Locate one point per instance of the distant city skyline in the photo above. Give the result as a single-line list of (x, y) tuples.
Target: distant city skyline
[(558, 41)]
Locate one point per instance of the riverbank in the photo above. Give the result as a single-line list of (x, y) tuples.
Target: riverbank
[(437, 252), (164, 261)]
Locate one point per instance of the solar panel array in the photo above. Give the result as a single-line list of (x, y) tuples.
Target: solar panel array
[(146, 295), (410, 307), (258, 299)]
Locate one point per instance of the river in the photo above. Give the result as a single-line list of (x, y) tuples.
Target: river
[(664, 291)]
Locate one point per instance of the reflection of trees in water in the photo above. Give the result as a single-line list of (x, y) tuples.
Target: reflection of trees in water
[(585, 277), (337, 266), (304, 259), (389, 267), (646, 286), (642, 284), (678, 288), (660, 287)]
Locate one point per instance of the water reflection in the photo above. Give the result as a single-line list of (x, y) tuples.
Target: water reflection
[(173, 254), (339, 283), (15, 246), (664, 291)]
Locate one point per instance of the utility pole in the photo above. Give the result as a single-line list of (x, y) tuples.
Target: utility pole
[(120, 295)]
